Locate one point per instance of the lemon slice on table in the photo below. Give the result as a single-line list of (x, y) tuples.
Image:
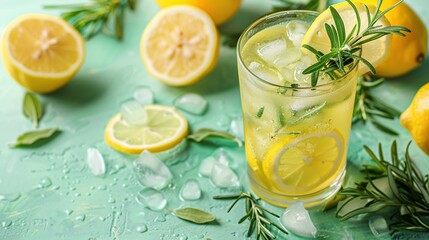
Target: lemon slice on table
[(306, 162), (42, 52), (165, 128), (375, 51), (180, 45)]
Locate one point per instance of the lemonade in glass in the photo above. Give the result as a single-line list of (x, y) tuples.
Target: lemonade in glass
[(296, 134)]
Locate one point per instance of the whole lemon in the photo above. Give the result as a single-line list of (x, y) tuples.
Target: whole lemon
[(219, 10), (406, 53), (416, 118)]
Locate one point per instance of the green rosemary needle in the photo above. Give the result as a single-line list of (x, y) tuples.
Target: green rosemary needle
[(346, 49), (368, 106), (256, 215), (98, 16)]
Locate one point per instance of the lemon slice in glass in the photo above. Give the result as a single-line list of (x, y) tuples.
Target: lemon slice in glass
[(375, 51), (305, 163), (42, 52), (180, 45), (164, 128)]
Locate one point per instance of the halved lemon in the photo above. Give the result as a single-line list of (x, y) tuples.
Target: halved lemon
[(180, 45), (375, 51), (165, 128), (305, 164), (42, 52)]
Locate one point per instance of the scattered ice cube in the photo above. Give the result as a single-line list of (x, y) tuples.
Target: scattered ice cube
[(222, 157), (207, 166), (222, 176), (266, 73), (295, 32), (174, 155), (192, 103), (151, 171), (95, 161), (134, 113), (378, 226), (190, 190), (272, 50), (152, 199), (297, 220), (237, 128), (143, 95)]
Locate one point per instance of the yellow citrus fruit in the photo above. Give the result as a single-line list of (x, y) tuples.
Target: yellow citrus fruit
[(219, 10), (416, 118), (405, 53), (180, 45), (42, 52), (375, 51), (305, 163), (165, 128)]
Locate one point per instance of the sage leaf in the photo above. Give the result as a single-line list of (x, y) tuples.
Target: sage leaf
[(32, 108), (204, 133), (28, 138), (194, 215)]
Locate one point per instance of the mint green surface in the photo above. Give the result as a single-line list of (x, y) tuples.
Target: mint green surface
[(50, 192)]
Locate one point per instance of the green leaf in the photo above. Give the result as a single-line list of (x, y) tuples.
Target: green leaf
[(339, 24), (32, 108), (194, 215), (204, 133), (31, 137)]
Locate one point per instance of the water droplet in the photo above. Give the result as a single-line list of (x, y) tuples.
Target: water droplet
[(111, 200), (72, 188), (6, 224), (102, 219), (102, 187), (77, 194), (68, 212), (45, 182), (142, 228), (183, 238), (81, 218), (11, 197), (160, 218), (66, 170), (55, 187), (223, 122)]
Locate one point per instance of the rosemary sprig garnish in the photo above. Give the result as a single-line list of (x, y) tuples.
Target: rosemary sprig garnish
[(256, 215), (368, 106), (397, 185), (100, 15), (346, 49)]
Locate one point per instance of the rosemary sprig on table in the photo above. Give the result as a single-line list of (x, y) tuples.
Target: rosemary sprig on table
[(368, 106), (398, 186), (256, 215), (100, 15), (346, 49)]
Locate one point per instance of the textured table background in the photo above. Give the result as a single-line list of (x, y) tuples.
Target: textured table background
[(78, 205)]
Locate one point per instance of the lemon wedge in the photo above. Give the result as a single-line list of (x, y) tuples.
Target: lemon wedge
[(165, 128), (375, 51), (42, 52), (180, 45), (304, 164)]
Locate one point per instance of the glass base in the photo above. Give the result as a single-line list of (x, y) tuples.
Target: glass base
[(284, 200)]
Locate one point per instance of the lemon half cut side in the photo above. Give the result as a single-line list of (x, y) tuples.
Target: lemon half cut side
[(42, 52), (180, 45)]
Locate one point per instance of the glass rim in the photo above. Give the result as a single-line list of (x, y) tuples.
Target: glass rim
[(261, 20)]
